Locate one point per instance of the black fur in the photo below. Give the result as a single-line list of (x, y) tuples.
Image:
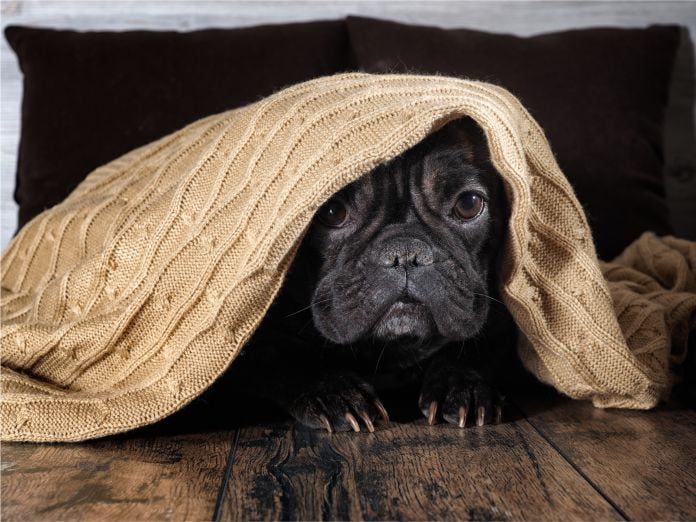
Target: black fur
[(404, 290)]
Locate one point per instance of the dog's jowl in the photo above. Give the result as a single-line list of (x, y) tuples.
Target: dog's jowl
[(395, 281)]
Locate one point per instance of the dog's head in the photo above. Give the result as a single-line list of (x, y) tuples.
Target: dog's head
[(408, 250)]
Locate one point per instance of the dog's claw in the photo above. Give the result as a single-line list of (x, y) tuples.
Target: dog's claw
[(337, 402), (326, 423), (480, 416), (462, 417), (381, 409), (459, 396), (368, 423), (432, 411), (353, 422)]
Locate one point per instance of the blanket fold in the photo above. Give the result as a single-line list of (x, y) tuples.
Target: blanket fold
[(123, 303)]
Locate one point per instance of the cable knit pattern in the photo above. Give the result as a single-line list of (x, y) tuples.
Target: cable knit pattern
[(124, 302)]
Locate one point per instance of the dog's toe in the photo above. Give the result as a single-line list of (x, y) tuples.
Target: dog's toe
[(463, 398), (339, 403)]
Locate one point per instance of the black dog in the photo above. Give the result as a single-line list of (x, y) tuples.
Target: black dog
[(396, 274)]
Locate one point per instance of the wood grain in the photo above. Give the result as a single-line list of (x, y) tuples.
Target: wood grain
[(406, 472), (566, 460), (644, 461), (161, 478)]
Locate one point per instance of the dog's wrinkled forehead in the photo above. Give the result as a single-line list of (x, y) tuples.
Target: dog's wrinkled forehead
[(435, 169)]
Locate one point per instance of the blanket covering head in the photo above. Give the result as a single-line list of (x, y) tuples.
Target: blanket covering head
[(126, 301)]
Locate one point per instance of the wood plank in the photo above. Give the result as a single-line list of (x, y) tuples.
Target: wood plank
[(644, 461), (126, 478), (406, 471)]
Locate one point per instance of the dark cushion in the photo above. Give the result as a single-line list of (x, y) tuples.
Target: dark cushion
[(599, 94), (90, 97)]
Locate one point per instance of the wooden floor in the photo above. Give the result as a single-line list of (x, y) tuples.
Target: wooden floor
[(551, 459)]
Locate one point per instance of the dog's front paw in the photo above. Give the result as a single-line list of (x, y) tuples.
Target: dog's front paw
[(338, 402), (456, 395)]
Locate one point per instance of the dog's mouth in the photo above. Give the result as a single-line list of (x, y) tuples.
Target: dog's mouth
[(405, 318)]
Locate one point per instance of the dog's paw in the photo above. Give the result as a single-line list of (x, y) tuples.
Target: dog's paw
[(460, 396), (338, 402)]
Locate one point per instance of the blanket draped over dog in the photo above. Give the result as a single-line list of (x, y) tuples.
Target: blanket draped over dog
[(124, 302)]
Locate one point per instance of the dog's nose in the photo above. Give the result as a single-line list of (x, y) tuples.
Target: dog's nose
[(402, 252)]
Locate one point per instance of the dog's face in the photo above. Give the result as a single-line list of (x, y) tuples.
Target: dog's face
[(408, 250)]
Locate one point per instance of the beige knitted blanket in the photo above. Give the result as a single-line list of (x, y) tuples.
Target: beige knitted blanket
[(124, 302)]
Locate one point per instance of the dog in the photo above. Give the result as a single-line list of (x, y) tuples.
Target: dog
[(394, 283)]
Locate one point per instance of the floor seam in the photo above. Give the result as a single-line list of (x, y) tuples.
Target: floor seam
[(577, 469), (219, 502)]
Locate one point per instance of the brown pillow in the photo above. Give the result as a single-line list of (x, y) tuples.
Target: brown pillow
[(610, 148), (90, 97)]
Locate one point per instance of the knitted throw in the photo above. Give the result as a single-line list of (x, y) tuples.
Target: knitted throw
[(124, 302)]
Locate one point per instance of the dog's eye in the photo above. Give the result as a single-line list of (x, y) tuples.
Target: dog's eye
[(333, 214), (468, 205)]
